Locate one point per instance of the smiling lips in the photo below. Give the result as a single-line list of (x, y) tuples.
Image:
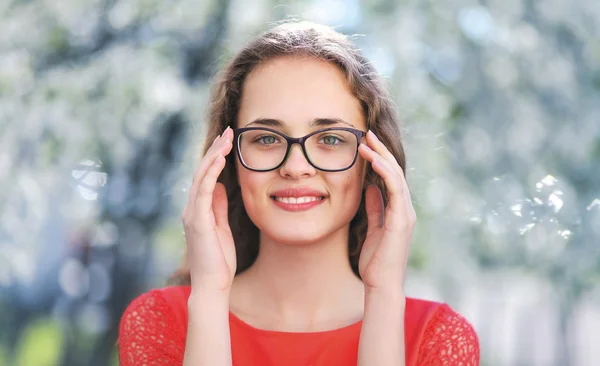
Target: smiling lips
[(297, 199)]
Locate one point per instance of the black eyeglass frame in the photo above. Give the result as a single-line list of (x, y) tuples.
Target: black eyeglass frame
[(296, 140)]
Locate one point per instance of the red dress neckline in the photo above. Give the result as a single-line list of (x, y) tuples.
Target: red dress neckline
[(237, 320)]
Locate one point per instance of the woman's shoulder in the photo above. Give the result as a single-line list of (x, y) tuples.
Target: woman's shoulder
[(414, 304), (153, 327), (444, 334), (174, 295), (165, 302), (427, 311), (440, 318), (419, 312)]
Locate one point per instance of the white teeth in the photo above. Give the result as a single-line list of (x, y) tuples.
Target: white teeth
[(297, 200)]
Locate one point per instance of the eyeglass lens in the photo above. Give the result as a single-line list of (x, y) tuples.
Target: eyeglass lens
[(328, 150)]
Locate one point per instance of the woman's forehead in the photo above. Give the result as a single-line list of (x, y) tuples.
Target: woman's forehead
[(298, 91)]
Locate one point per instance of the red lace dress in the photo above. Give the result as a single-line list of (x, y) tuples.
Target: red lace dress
[(154, 327)]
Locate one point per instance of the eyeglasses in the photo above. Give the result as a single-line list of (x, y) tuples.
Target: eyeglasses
[(331, 149)]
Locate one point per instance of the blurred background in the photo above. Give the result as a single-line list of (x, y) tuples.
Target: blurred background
[(102, 110)]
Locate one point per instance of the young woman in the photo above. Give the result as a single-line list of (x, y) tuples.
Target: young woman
[(297, 226)]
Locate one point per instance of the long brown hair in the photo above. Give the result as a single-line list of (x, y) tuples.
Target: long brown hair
[(308, 40)]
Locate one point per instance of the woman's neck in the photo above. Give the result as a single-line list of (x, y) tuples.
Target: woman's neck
[(300, 286)]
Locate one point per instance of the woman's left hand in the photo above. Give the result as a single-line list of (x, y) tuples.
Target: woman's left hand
[(384, 255)]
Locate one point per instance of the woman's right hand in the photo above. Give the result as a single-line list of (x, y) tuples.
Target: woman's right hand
[(210, 244)]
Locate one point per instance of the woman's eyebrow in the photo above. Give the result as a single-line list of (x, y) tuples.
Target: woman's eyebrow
[(266, 122), (317, 122), (328, 122)]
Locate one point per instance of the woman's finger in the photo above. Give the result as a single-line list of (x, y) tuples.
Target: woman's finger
[(197, 175), (382, 166), (222, 145), (207, 187), (374, 207), (219, 206), (375, 144)]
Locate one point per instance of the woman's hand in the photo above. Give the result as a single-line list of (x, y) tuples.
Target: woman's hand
[(210, 245), (384, 256)]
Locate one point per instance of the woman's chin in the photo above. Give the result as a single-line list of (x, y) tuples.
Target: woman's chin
[(294, 235)]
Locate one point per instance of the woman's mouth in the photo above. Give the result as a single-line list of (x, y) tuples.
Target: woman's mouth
[(294, 204)]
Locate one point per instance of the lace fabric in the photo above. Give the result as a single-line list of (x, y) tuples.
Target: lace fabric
[(449, 339), (148, 335)]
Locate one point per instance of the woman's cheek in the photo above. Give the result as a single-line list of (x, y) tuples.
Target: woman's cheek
[(350, 188)]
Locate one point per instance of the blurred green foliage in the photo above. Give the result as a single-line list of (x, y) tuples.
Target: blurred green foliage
[(40, 344)]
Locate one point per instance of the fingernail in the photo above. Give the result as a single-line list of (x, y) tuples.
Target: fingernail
[(227, 129), (373, 135)]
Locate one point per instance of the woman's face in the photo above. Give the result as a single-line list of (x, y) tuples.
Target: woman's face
[(295, 92)]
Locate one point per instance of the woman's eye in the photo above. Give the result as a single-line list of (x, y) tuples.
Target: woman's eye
[(331, 140), (267, 140)]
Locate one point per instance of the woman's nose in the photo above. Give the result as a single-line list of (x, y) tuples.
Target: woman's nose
[(296, 165)]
